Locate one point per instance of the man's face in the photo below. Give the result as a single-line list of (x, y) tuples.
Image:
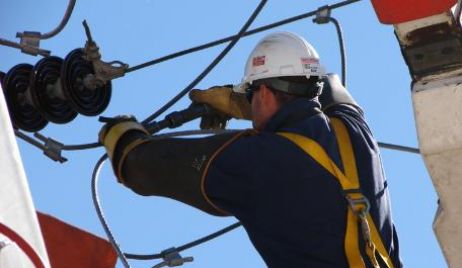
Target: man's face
[(264, 106)]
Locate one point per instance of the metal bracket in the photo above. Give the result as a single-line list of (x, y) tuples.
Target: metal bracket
[(104, 71), (172, 258), (322, 15)]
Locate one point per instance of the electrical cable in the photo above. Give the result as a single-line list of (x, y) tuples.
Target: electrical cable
[(229, 38), (342, 49), (186, 246), (99, 211), (209, 237), (85, 146), (399, 147), (29, 140), (210, 67), (8, 43), (60, 27)]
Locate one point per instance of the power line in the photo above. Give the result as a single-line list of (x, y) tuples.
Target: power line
[(229, 38), (399, 148), (187, 245)]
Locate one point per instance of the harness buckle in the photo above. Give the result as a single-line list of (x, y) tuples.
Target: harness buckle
[(358, 203), (360, 206)]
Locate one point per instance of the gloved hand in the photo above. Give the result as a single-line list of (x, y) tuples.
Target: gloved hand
[(214, 120), (115, 128), (224, 100)]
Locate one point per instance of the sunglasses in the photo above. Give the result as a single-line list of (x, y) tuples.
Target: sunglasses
[(249, 91)]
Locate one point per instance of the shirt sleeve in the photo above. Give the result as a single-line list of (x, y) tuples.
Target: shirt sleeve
[(229, 183)]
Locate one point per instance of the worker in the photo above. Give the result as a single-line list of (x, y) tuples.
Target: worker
[(306, 182)]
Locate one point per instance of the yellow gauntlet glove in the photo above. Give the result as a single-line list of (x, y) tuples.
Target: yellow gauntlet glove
[(224, 100)]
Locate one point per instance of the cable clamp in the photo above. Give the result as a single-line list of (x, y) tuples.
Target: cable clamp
[(104, 71), (172, 258), (30, 43), (322, 15), (52, 148)]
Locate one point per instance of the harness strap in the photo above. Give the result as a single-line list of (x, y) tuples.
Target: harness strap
[(358, 204)]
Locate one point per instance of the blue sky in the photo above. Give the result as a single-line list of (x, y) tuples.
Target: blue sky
[(137, 31)]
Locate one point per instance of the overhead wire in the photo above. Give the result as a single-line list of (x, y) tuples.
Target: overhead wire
[(342, 50), (61, 25), (229, 38), (399, 148), (187, 245), (76, 147)]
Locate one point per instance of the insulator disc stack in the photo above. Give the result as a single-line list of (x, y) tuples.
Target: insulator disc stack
[(54, 90)]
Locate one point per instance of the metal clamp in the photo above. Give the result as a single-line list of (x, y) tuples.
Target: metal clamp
[(30, 43), (172, 258), (53, 148), (322, 15), (104, 71)]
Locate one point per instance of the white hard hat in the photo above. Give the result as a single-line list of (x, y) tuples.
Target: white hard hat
[(281, 54)]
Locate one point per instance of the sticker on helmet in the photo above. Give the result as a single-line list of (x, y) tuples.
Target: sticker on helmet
[(308, 62), (258, 61)]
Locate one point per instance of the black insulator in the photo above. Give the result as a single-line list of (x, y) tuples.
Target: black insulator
[(85, 100), (16, 90), (46, 91)]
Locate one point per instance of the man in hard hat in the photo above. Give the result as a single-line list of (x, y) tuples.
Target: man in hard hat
[(306, 183)]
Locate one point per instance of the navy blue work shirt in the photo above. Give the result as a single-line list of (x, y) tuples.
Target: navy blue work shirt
[(292, 208)]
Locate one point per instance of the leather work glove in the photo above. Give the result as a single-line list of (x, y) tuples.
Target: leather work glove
[(115, 128), (214, 120), (224, 100)]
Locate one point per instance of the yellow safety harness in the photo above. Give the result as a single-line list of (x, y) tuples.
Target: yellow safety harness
[(358, 205)]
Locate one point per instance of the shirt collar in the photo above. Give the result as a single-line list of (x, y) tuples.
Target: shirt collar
[(293, 112)]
